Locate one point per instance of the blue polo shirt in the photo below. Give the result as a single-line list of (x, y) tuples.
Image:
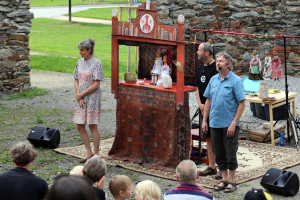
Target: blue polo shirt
[(225, 96)]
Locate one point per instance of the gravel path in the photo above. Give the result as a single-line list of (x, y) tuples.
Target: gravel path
[(56, 110)]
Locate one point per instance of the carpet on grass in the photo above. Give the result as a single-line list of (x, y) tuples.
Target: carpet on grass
[(254, 159)]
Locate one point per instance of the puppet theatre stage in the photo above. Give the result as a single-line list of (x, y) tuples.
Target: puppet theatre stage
[(254, 160)]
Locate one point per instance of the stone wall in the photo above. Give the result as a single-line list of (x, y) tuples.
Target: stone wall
[(14, 45), (243, 16)]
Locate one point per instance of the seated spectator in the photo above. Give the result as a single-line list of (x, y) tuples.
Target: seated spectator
[(257, 194), (120, 187), (187, 175), (71, 188), (147, 190), (77, 171), (19, 183), (95, 170)]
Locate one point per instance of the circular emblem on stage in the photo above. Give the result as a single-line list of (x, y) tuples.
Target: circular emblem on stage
[(180, 19), (203, 78), (114, 12), (146, 23)]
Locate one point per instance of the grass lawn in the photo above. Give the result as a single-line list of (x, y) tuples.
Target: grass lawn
[(41, 3), (102, 13), (60, 39)]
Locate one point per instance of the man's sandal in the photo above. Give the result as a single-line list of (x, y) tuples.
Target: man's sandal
[(220, 186), (230, 189)]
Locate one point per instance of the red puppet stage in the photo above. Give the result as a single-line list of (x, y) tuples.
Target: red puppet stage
[(152, 123)]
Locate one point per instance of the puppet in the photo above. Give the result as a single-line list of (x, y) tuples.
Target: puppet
[(156, 70), (255, 70), (165, 70), (277, 71)]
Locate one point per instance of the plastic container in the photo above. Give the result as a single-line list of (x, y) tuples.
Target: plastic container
[(281, 142)]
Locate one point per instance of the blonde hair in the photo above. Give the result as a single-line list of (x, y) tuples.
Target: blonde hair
[(119, 183), (148, 189), (77, 170)]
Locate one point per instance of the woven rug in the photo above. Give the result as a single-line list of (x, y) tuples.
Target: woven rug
[(254, 160)]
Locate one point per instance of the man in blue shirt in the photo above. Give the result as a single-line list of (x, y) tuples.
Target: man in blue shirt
[(187, 175), (224, 105)]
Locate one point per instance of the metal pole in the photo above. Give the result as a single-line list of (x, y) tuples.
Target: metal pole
[(129, 17), (286, 91), (70, 11)]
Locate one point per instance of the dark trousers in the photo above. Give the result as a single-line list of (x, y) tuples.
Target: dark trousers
[(225, 148)]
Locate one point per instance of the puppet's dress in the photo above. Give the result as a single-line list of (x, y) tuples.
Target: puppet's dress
[(277, 71), (86, 71), (267, 67), (165, 70), (255, 69), (157, 66)]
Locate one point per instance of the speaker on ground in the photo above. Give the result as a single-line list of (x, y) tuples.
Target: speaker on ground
[(44, 137), (281, 182)]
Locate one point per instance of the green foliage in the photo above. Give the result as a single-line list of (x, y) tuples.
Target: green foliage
[(60, 40), (40, 3), (102, 13), (68, 127), (60, 120), (39, 118), (8, 123), (5, 139), (34, 92)]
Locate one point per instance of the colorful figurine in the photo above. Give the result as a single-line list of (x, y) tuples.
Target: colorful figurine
[(255, 70), (165, 70), (277, 71), (156, 68), (267, 67)]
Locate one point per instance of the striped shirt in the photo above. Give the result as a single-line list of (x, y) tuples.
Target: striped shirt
[(188, 192)]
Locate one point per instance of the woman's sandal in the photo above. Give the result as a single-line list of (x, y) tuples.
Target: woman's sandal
[(220, 187), (230, 189)]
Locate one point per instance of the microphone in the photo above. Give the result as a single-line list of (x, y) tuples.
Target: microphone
[(220, 68)]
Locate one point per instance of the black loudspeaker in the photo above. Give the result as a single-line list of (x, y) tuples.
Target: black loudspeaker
[(44, 137), (281, 182)]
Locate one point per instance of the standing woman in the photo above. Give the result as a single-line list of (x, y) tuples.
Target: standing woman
[(87, 74)]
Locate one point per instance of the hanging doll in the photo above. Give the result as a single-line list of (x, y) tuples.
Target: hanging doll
[(165, 70), (156, 68), (255, 70), (277, 71), (267, 67)]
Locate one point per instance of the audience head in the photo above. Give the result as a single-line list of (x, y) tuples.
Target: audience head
[(22, 154), (257, 194), (147, 190), (94, 168), (71, 188), (186, 172), (77, 170), (120, 187)]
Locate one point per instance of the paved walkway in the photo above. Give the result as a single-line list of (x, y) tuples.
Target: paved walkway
[(55, 11), (82, 19)]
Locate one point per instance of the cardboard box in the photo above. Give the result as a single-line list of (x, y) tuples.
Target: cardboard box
[(259, 133)]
